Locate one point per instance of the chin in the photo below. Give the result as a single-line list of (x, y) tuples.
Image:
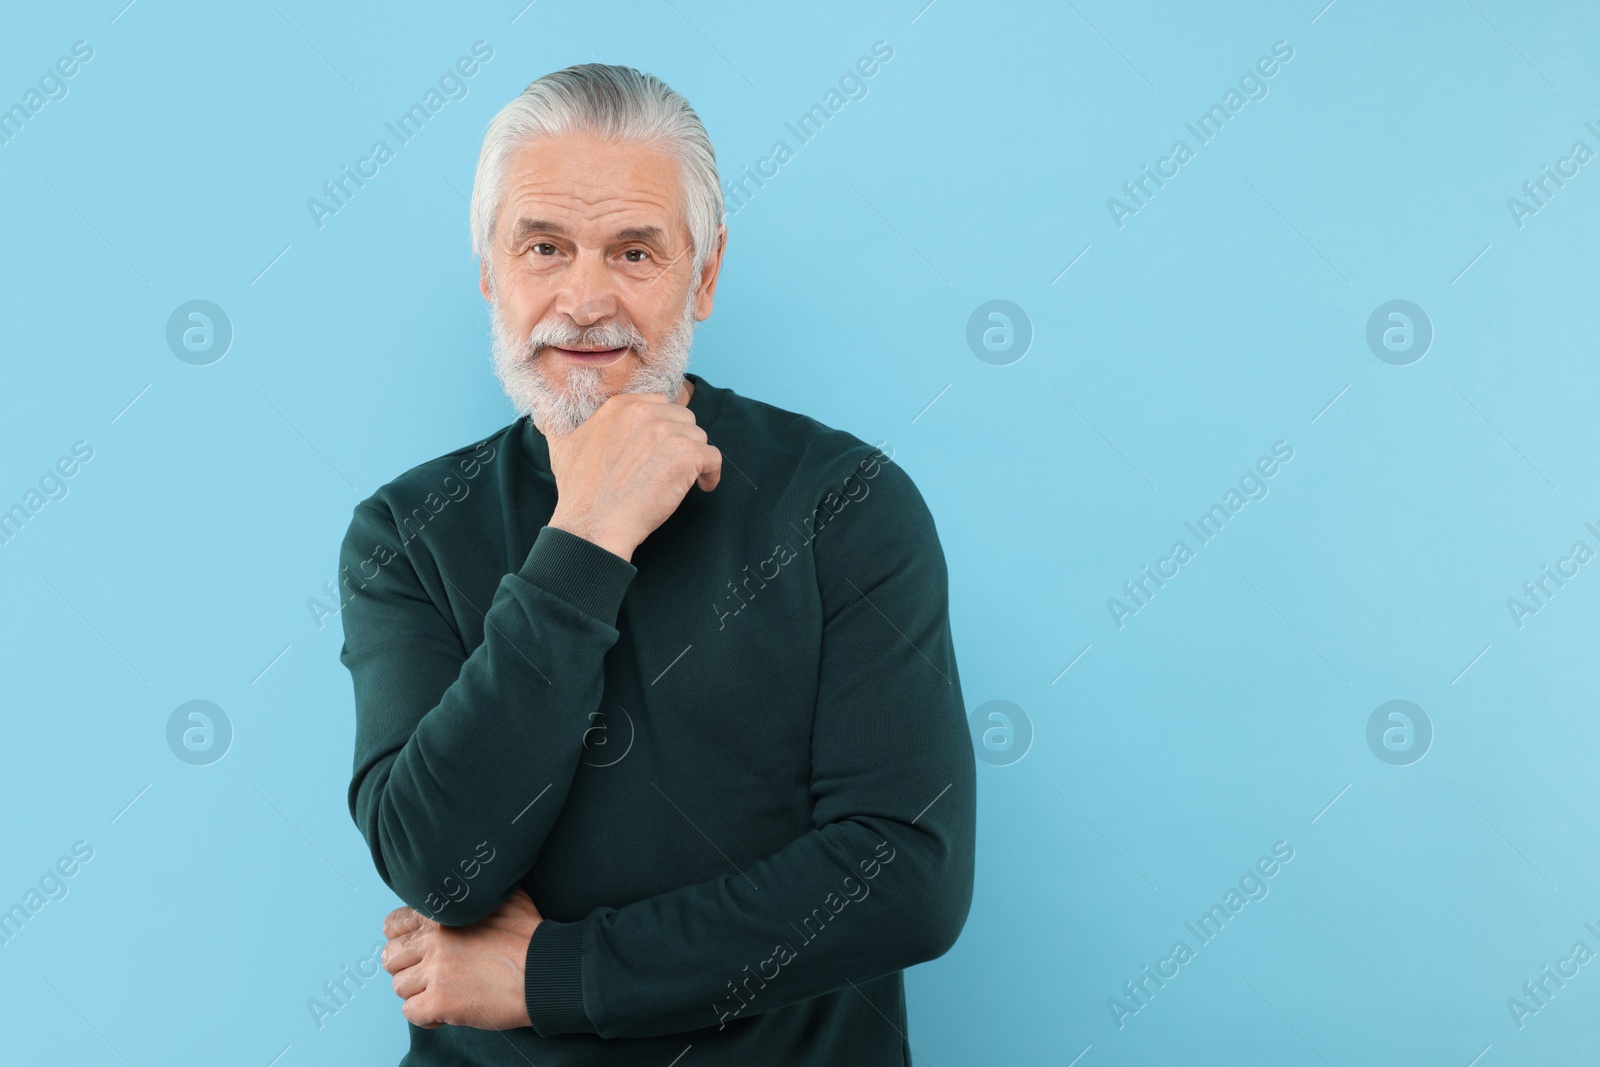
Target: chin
[(557, 407)]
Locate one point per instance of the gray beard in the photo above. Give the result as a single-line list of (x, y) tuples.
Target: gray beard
[(558, 409)]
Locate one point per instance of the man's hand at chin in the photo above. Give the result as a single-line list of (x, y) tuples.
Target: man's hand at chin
[(463, 975), (624, 472)]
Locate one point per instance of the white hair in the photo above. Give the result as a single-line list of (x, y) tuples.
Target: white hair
[(617, 103)]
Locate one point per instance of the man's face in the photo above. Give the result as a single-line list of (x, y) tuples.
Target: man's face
[(589, 277)]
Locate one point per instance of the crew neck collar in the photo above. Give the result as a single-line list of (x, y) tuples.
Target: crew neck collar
[(705, 402)]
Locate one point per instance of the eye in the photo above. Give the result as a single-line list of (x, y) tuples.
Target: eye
[(639, 252), (539, 248)]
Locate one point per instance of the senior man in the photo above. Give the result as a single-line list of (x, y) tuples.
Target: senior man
[(658, 727)]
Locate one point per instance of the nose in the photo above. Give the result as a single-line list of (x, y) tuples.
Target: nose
[(589, 292)]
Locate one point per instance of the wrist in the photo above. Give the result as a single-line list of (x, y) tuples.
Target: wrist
[(553, 979), (595, 533)]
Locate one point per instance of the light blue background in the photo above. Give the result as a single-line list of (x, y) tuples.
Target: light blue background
[(1226, 315)]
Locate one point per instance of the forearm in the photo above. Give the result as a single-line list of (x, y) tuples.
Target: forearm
[(484, 771), (892, 767), (846, 902)]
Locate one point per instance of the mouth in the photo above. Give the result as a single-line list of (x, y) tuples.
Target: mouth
[(591, 357)]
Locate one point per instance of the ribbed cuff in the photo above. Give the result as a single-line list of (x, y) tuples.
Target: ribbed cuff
[(553, 979), (580, 572)]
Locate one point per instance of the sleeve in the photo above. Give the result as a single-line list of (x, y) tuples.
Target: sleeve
[(882, 881), (452, 750)]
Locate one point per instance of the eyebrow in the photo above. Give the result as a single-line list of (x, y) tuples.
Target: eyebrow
[(641, 233), (526, 227)]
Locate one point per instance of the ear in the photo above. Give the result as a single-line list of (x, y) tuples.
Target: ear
[(485, 283), (707, 286)]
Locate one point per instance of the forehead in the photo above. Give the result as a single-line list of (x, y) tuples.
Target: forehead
[(592, 186)]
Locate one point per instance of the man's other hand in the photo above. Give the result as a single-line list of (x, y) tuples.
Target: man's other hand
[(463, 975)]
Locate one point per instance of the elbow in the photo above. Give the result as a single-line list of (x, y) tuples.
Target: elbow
[(927, 874), (434, 890), (435, 898), (448, 899), (950, 873), (939, 924), (939, 907), (475, 908)]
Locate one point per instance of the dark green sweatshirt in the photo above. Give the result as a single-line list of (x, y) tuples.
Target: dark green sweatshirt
[(734, 774)]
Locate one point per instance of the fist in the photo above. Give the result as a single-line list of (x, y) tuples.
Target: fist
[(463, 975), (626, 469)]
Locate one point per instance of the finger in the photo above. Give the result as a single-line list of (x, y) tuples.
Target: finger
[(621, 399), (518, 902), (401, 953), (676, 411), (685, 429), (710, 469), (420, 1011), (409, 982), (401, 921)]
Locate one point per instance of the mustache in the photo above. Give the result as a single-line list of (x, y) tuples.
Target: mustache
[(566, 335)]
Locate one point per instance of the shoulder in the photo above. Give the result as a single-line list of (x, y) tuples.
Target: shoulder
[(432, 484), (817, 456), (822, 472)]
